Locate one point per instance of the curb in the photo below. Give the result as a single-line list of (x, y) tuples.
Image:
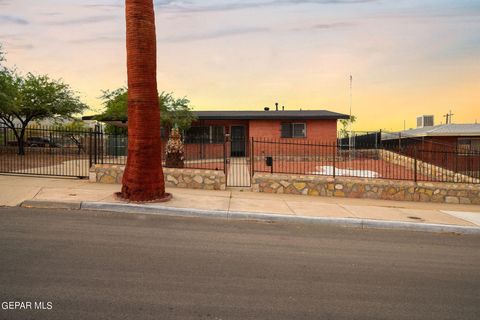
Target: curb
[(46, 204), (155, 209)]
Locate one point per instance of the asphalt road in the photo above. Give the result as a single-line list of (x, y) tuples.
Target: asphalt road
[(120, 266)]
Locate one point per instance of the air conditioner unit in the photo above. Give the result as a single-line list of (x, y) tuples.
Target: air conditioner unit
[(425, 121)]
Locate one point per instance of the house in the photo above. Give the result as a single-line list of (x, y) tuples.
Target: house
[(454, 146), (240, 127), (461, 137), (208, 133)]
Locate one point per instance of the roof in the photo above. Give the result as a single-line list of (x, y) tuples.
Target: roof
[(260, 115), (442, 130), (269, 115)]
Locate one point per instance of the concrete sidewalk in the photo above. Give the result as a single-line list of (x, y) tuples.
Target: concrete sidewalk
[(14, 190)]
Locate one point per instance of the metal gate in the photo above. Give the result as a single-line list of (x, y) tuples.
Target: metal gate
[(50, 151), (237, 159)]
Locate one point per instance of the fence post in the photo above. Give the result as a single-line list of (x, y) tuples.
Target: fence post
[(334, 158), (100, 132), (225, 157), (95, 144), (415, 164), (90, 160), (5, 136), (380, 144), (252, 158)]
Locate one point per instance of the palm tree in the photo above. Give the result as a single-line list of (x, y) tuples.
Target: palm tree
[(143, 178)]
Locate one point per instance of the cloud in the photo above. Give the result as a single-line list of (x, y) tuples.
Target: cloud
[(27, 46), (51, 13), (325, 26), (12, 19), (99, 39), (214, 34), (192, 6), (86, 20), (113, 5)]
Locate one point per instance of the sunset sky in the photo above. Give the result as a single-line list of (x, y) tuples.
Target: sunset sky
[(407, 57)]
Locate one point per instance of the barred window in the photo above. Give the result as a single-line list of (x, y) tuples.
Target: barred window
[(218, 134), (286, 130), (205, 134), (293, 130), (466, 145)]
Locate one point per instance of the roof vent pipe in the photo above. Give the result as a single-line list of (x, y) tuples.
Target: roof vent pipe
[(276, 106), (283, 108)]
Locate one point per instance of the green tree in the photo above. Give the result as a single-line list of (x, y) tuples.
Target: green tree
[(175, 111), (346, 123), (34, 98), (73, 132)]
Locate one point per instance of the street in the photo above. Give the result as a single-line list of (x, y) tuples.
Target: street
[(98, 265)]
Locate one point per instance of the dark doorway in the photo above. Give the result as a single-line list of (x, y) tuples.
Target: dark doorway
[(237, 134)]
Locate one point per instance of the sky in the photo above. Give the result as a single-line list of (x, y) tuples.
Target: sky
[(406, 57)]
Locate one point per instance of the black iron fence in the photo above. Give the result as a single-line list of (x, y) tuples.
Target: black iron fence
[(47, 151), (365, 160), (61, 152), (197, 153), (433, 152)]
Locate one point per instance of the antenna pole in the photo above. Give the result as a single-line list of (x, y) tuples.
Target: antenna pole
[(351, 81), (350, 120)]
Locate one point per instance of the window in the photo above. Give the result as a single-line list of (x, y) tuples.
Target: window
[(205, 134), (466, 145), (294, 130), (218, 134)]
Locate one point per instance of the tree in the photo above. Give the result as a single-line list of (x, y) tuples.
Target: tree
[(143, 178), (346, 123), (175, 111), (73, 132), (33, 98), (2, 54)]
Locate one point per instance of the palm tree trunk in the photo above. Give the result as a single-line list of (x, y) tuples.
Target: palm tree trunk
[(143, 178)]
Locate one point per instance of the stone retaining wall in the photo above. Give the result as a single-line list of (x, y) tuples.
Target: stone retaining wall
[(181, 178), (367, 188), (424, 168)]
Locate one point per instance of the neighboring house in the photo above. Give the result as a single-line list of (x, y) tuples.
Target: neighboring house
[(452, 146), (463, 137)]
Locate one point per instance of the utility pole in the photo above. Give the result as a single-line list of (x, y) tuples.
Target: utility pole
[(350, 120), (449, 117)]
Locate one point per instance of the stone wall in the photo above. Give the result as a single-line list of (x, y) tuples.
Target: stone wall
[(367, 188), (423, 168), (181, 178)]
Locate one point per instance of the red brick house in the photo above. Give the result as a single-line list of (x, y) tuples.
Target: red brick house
[(208, 133), (240, 127)]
